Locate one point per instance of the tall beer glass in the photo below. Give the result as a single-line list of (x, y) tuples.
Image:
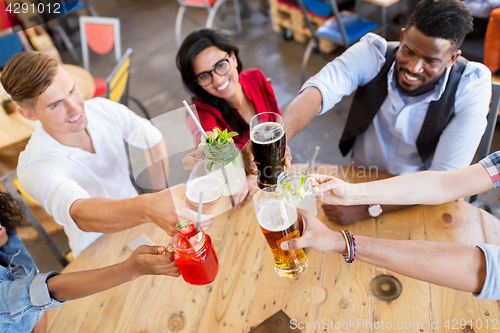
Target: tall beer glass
[(210, 178), (278, 220), (269, 142)]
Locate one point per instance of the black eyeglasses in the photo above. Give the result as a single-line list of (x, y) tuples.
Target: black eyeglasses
[(222, 67)]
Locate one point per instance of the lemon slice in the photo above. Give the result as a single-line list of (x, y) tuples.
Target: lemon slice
[(302, 192)]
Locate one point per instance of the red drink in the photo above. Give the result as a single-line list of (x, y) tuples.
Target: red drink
[(195, 257)]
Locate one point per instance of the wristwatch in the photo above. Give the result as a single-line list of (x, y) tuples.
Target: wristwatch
[(374, 210)]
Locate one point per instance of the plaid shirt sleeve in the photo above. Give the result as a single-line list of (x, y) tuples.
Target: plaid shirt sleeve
[(492, 164)]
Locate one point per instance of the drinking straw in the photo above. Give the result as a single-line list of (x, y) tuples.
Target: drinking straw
[(188, 108), (312, 160), (200, 206)]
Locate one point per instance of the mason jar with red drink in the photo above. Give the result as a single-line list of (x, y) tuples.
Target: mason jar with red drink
[(194, 254)]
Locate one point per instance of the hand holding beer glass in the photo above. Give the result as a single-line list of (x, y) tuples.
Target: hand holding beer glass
[(278, 220), (269, 143), (210, 178)]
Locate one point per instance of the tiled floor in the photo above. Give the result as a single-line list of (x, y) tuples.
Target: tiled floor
[(148, 27)]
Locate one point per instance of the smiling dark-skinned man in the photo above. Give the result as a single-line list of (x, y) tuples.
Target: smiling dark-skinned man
[(418, 105)]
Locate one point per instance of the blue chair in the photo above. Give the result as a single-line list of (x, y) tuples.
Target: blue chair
[(12, 44), (344, 28)]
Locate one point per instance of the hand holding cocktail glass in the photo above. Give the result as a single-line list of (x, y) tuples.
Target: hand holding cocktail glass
[(210, 178), (166, 208), (339, 200), (332, 190)]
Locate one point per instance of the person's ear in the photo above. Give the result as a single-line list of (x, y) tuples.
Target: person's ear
[(26, 113), (453, 58), (401, 36)]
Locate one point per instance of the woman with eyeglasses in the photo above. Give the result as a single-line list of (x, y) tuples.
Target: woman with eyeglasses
[(226, 97)]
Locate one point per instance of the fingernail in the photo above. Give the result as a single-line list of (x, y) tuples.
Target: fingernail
[(284, 246), (161, 249)]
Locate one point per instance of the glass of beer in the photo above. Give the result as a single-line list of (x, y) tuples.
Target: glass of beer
[(269, 143), (210, 178), (278, 220)]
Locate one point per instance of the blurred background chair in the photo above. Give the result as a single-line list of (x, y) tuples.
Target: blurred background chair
[(492, 43), (41, 41), (12, 186), (102, 35), (64, 23), (484, 147), (213, 7), (11, 43), (344, 28)]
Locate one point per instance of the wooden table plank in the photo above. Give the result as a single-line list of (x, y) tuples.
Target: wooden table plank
[(239, 265), (172, 304), (247, 290), (115, 306), (75, 312), (13, 129), (457, 222), (348, 299), (297, 297), (491, 227), (412, 306)]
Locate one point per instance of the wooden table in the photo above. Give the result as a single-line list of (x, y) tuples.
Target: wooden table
[(247, 290), (14, 129)]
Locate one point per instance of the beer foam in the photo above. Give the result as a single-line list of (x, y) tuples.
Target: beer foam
[(208, 185), (277, 215), (259, 130)]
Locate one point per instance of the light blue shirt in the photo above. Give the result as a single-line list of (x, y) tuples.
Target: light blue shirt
[(491, 286), (390, 141), (24, 292)]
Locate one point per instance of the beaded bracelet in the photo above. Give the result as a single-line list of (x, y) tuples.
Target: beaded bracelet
[(346, 238), (351, 246)]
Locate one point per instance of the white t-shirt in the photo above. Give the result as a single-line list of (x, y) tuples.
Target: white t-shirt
[(57, 175)]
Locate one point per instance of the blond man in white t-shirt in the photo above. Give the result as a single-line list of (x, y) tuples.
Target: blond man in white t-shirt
[(75, 164)]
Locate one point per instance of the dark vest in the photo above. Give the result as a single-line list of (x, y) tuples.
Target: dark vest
[(369, 98)]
